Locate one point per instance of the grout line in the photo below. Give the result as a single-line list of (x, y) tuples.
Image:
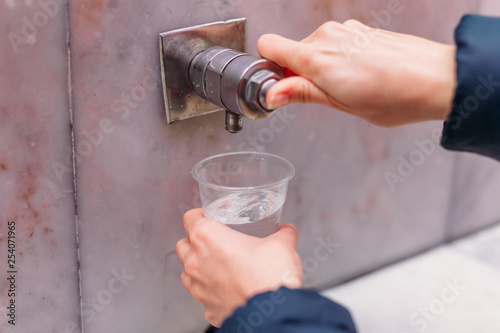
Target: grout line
[(71, 114), (450, 216)]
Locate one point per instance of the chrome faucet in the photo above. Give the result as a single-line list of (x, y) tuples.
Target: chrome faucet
[(235, 81), (208, 64)]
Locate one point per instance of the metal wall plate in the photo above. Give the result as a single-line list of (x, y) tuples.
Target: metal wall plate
[(177, 48)]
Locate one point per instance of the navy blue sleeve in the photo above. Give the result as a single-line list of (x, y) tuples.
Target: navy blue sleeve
[(289, 311), (474, 122)]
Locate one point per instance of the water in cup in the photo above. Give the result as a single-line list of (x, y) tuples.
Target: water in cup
[(244, 190), (255, 213)]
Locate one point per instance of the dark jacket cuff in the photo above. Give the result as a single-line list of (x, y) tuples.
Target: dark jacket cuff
[(290, 311), (474, 122)]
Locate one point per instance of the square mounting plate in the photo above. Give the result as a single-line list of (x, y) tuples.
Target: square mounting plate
[(177, 49)]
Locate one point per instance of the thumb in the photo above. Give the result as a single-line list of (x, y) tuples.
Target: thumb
[(295, 89), (286, 233)]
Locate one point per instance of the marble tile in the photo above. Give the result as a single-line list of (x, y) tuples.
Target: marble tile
[(178, 315), (474, 195), (36, 174), (439, 291)]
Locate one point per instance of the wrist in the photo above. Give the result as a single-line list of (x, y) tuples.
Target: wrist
[(445, 82)]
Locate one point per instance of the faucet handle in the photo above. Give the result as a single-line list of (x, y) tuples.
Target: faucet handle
[(233, 80), (263, 93)]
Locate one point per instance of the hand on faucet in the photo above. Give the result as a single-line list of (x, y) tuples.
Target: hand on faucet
[(387, 78)]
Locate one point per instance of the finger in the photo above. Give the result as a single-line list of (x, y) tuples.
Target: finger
[(355, 25), (213, 316), (285, 52), (190, 218), (198, 291), (182, 249), (186, 281), (295, 89), (287, 233), (327, 29), (206, 231)]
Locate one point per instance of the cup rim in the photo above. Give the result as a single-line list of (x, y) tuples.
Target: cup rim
[(232, 188)]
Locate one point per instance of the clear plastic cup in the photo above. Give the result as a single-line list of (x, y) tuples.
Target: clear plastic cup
[(244, 190)]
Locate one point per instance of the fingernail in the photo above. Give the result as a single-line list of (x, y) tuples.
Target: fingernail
[(278, 101)]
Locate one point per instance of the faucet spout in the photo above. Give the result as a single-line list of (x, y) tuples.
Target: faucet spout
[(234, 122)]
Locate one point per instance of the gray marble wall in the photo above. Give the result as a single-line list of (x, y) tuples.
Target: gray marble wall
[(131, 169), (36, 173)]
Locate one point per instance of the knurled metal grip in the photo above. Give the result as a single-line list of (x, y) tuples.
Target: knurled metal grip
[(233, 80)]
